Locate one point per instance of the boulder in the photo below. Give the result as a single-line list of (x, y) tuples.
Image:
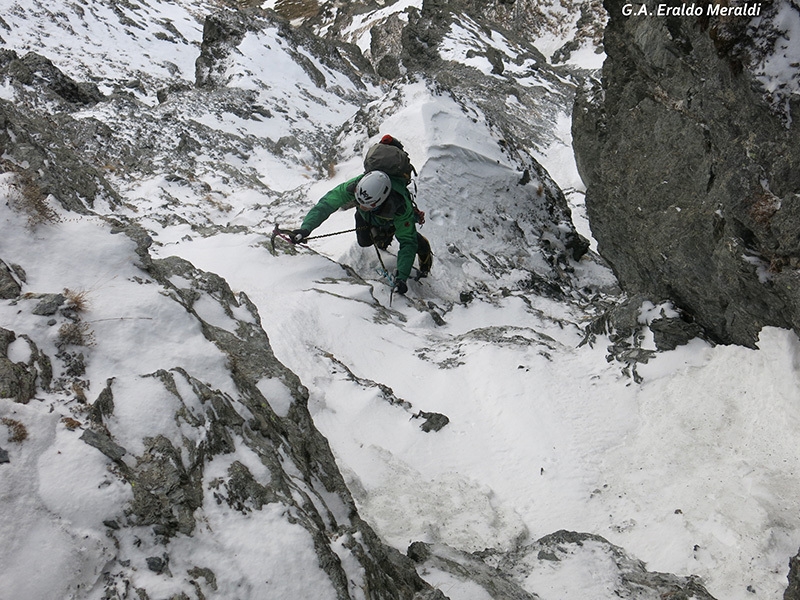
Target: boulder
[(9, 286), (17, 380)]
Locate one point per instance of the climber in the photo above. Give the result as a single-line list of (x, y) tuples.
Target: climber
[(384, 210)]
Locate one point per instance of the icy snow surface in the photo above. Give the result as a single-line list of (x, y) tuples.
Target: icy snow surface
[(693, 471)]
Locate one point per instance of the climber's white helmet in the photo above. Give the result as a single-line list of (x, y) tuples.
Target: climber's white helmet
[(373, 190)]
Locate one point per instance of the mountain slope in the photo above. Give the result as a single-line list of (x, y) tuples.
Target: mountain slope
[(177, 397)]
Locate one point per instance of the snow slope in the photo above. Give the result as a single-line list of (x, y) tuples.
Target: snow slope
[(692, 471)]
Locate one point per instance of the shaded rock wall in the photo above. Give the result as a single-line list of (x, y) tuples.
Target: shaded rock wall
[(692, 174)]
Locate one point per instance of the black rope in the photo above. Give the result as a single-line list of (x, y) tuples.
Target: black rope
[(286, 234), (324, 235)]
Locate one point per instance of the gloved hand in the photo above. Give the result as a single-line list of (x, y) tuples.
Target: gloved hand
[(298, 236), (400, 286)]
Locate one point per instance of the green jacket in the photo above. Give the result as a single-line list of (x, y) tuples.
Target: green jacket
[(397, 213)]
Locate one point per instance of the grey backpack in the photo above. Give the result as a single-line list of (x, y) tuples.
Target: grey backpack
[(389, 157)]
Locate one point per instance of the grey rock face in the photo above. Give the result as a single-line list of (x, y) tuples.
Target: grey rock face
[(692, 176), (224, 31), (513, 575), (521, 126), (9, 286), (52, 166), (528, 18), (463, 565), (48, 304), (524, 126), (557, 550), (17, 380), (103, 443), (33, 69), (793, 591), (625, 328)]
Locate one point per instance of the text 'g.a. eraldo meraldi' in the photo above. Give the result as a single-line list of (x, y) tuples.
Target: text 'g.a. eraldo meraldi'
[(693, 10)]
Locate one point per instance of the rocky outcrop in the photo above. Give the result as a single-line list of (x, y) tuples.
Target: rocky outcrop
[(459, 564), (37, 70), (692, 173), (515, 575), (793, 591), (9, 282), (32, 138), (19, 380), (16, 379), (169, 479), (245, 450), (224, 31), (581, 23)]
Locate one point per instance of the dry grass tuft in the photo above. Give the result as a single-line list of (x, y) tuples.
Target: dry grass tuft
[(75, 334), (80, 393), (763, 207), (71, 423), (297, 9), (16, 430), (77, 301), (27, 198)]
